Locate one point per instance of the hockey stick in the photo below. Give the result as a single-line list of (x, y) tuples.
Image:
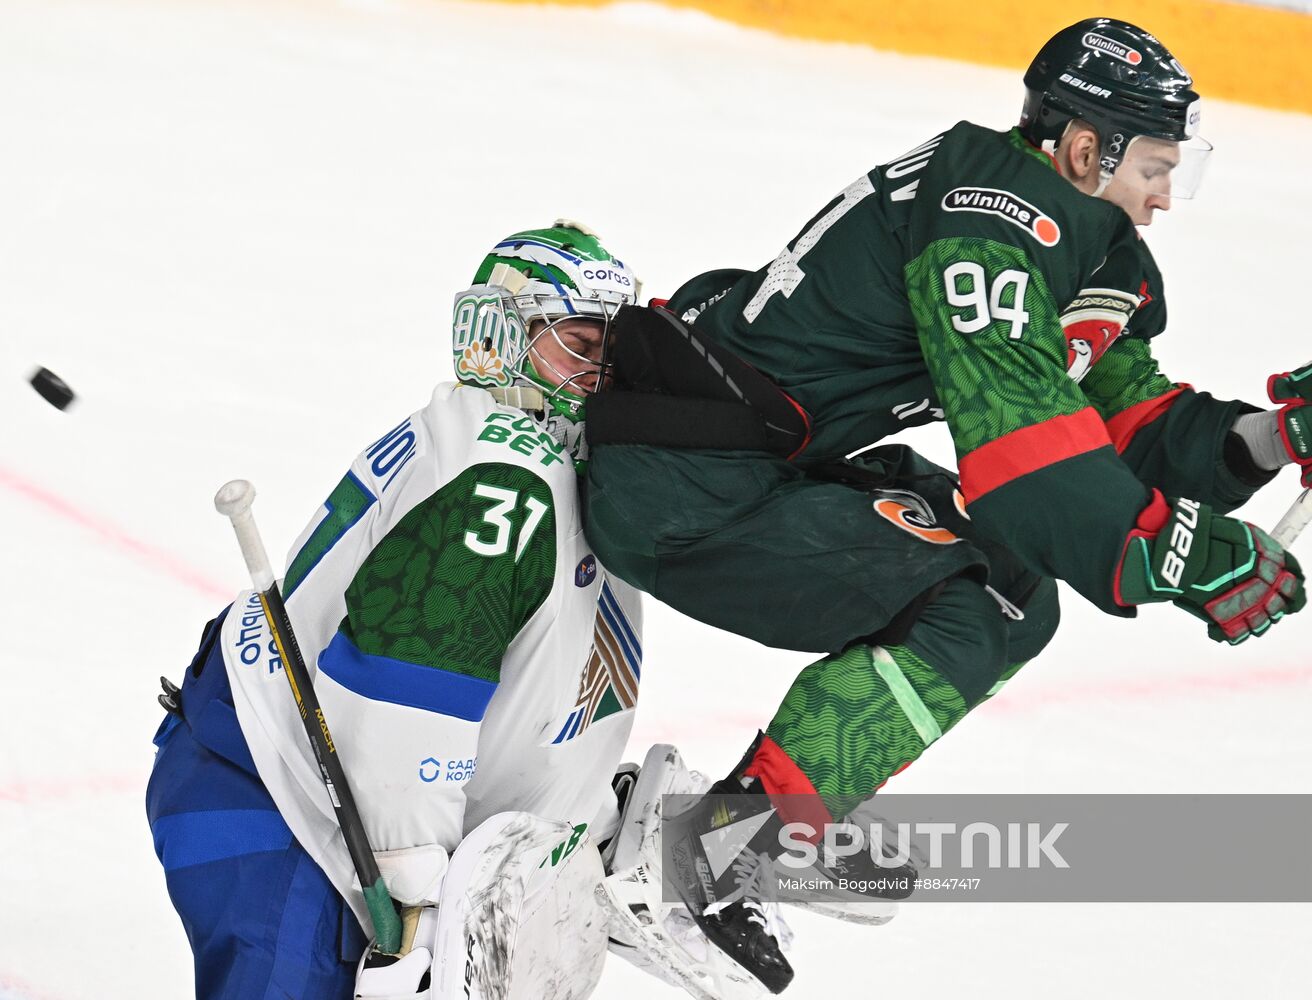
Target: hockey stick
[(1293, 523), (233, 501)]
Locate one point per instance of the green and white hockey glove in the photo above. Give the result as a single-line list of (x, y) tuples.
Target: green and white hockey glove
[(1294, 391), (1229, 573)]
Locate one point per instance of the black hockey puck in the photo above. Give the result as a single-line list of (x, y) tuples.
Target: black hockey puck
[(53, 389)]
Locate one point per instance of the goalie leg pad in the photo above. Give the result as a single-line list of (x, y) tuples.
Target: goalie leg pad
[(517, 919)]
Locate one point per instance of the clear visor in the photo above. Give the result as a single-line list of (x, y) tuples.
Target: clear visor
[(1163, 169)]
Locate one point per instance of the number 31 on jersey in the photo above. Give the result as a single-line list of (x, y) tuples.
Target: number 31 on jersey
[(497, 517)]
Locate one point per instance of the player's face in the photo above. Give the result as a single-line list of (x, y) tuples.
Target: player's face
[(568, 350), (1142, 183)]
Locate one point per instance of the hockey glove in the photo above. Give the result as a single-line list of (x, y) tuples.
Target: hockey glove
[(1294, 391), (1229, 573)]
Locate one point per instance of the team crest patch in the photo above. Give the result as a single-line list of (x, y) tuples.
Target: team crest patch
[(1092, 323), (609, 683), (586, 571), (485, 338), (1005, 205), (483, 365), (910, 513)]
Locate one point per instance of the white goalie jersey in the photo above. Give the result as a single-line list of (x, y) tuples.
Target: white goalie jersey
[(470, 654)]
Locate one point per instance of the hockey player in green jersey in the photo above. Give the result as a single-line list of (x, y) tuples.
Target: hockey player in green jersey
[(992, 279)]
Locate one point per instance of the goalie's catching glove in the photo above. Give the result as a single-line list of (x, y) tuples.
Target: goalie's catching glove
[(1229, 573), (1294, 391)]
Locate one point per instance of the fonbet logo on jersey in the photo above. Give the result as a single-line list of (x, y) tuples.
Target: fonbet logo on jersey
[(1005, 205)]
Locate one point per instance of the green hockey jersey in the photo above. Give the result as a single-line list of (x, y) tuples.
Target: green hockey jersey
[(969, 281)]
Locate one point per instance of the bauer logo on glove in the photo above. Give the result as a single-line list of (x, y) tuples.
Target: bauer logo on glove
[(1293, 390), (1229, 573)]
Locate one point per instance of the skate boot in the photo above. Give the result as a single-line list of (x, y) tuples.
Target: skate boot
[(660, 934), (719, 856)]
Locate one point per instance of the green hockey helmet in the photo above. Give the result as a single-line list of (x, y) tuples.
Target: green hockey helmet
[(1125, 84), (525, 288)]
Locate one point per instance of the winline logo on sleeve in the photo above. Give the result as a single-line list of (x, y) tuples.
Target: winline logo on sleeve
[(1005, 205)]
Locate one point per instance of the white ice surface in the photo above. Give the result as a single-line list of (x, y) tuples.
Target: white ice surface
[(235, 227)]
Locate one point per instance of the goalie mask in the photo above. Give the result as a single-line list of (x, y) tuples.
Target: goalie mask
[(516, 331)]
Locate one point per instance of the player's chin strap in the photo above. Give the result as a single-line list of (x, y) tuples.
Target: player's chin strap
[(522, 397)]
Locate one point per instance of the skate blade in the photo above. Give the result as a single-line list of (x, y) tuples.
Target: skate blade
[(865, 914), (717, 978)]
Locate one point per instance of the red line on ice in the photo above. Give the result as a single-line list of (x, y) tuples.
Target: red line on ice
[(1200, 685), (23, 989), (115, 537), (44, 790)]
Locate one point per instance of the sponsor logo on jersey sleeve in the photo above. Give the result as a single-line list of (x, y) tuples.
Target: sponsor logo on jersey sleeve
[(1007, 206), (586, 571)]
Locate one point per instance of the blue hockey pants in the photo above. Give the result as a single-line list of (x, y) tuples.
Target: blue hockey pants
[(263, 920)]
